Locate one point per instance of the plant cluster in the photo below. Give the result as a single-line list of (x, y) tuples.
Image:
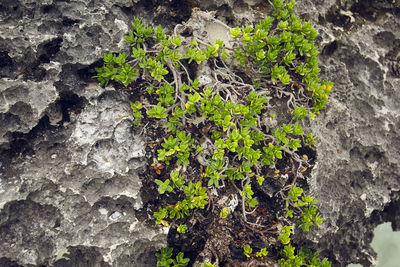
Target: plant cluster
[(304, 257), (306, 207), (221, 129), (285, 52), (164, 258)]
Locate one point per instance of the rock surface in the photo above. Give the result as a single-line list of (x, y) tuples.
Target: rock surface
[(358, 171), (70, 163)]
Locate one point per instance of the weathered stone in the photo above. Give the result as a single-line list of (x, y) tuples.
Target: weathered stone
[(357, 174), (69, 162), (69, 187)]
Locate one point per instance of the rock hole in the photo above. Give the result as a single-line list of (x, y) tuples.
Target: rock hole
[(334, 16), (366, 10), (330, 48), (34, 72), (191, 243), (82, 256), (225, 11), (70, 102), (86, 74), (179, 11), (9, 263), (67, 22), (46, 9), (385, 39), (22, 143), (49, 49), (6, 65)]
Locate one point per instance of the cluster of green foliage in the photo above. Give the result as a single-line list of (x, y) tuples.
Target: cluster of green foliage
[(284, 52), (303, 257), (195, 197), (281, 49), (306, 206), (164, 258), (248, 250)]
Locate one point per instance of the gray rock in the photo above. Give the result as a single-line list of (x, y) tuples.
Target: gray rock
[(69, 187), (69, 161)]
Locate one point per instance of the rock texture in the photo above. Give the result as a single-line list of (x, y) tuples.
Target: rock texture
[(70, 190), (358, 171)]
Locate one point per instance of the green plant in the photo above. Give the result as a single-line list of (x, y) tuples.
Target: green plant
[(262, 253), (164, 258), (224, 213), (137, 113), (306, 207), (247, 250), (180, 146), (163, 186), (195, 198), (304, 257), (182, 228), (219, 130)]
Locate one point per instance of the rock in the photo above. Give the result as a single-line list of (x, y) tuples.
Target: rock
[(356, 179), (70, 189)]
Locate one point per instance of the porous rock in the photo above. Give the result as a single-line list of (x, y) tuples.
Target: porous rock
[(69, 162), (357, 177)]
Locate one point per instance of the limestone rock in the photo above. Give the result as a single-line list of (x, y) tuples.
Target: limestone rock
[(358, 169), (69, 161)]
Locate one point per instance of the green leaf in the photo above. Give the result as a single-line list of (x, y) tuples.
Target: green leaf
[(289, 213), (294, 144), (262, 253), (297, 129), (246, 191), (194, 98), (163, 186), (260, 54), (157, 112), (294, 193), (235, 32), (175, 40), (224, 213), (260, 180), (283, 25), (194, 43), (280, 135), (120, 59), (195, 84), (160, 34), (224, 54), (284, 234), (109, 58), (299, 112), (127, 74), (182, 228), (181, 261), (247, 250)]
